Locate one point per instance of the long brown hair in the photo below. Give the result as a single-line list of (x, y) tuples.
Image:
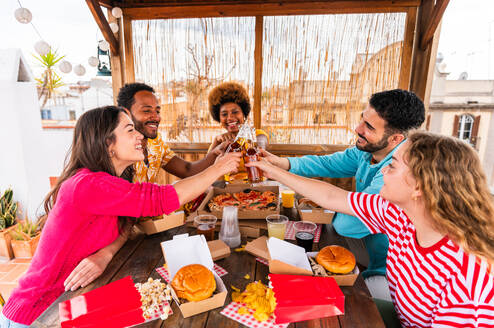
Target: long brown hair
[(455, 190), (93, 134)]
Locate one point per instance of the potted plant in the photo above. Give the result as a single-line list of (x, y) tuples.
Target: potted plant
[(25, 238), (8, 219)]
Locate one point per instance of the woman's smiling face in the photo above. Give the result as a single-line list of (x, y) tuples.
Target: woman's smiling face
[(231, 117), (399, 184)]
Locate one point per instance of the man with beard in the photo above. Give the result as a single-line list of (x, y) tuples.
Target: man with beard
[(141, 102), (384, 125)]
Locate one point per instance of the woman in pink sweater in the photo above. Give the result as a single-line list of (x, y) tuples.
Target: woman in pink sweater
[(87, 206)]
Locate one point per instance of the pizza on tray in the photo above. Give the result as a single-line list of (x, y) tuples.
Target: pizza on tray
[(245, 200)]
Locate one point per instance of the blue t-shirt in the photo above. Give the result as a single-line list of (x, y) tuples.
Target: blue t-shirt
[(369, 179)]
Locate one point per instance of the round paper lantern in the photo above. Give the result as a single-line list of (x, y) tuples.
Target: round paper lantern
[(104, 45), (42, 47), (114, 27), (79, 70), (93, 61), (65, 67), (116, 12), (23, 15)]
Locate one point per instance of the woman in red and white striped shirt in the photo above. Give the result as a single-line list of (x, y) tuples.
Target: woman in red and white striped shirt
[(437, 211)]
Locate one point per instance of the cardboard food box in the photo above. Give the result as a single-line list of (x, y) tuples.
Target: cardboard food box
[(183, 250), (166, 222), (218, 249), (314, 215), (301, 298), (242, 214), (288, 258)]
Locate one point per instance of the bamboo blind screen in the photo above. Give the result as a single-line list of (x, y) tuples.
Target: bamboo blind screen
[(318, 71)]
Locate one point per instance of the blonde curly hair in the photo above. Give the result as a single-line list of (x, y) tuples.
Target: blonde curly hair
[(455, 190), (228, 92)]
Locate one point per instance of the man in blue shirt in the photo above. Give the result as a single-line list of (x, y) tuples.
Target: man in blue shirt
[(384, 125)]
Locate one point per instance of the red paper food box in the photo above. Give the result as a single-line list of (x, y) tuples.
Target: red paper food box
[(117, 304), (300, 298)]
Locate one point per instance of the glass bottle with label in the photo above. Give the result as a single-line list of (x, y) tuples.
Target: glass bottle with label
[(251, 154)]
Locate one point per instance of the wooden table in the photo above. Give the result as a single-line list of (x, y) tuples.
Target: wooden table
[(141, 256)]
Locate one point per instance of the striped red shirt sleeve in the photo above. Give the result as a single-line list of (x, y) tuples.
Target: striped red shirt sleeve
[(376, 213)]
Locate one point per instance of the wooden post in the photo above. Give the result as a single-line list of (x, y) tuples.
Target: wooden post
[(129, 73), (423, 61), (407, 50), (117, 77), (258, 71)]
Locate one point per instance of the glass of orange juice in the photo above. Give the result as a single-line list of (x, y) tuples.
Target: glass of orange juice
[(288, 198), (276, 225)]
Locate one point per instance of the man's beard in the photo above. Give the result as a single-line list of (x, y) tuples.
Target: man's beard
[(373, 147), (141, 127)]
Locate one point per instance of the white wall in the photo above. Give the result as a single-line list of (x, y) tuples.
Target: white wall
[(23, 162), (28, 154)]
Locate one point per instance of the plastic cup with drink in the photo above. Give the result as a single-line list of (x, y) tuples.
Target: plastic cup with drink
[(205, 225), (276, 225), (304, 234), (288, 198)]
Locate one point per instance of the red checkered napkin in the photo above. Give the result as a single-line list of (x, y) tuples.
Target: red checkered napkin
[(290, 232), (166, 274), (231, 311), (263, 261)]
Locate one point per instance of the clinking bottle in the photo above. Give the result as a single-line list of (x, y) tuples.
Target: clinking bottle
[(251, 154)]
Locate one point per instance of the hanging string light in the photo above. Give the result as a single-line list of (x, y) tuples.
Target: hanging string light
[(93, 61), (114, 27), (42, 48), (23, 15), (116, 12), (104, 45), (65, 67), (79, 70)]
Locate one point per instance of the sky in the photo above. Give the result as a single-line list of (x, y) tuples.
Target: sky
[(466, 42)]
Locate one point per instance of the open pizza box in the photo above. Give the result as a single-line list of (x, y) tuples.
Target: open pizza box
[(183, 250), (288, 258), (161, 223), (301, 298), (117, 304), (242, 214), (314, 215)]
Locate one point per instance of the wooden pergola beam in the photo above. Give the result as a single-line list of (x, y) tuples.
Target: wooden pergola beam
[(103, 25), (407, 51), (268, 9), (434, 21), (106, 3), (258, 71)]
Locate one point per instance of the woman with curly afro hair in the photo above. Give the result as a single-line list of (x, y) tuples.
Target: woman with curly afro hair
[(229, 104)]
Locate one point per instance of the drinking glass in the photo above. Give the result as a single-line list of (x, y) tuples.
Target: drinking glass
[(276, 225), (205, 225), (304, 234)]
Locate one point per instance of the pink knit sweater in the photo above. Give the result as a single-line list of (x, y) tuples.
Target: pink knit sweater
[(83, 220)]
